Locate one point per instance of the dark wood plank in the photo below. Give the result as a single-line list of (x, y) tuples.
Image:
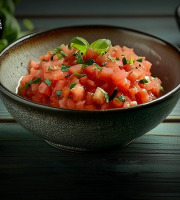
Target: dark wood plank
[(97, 8), (146, 169)]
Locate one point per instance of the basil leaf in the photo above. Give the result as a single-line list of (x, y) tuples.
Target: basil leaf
[(101, 45), (72, 85), (64, 68), (142, 81), (79, 43), (121, 98), (48, 82), (105, 95), (58, 92)]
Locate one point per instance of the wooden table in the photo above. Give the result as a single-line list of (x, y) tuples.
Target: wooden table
[(149, 168)]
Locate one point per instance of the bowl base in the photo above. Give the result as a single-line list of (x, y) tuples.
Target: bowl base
[(77, 149)]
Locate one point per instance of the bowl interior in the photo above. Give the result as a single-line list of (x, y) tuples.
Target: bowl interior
[(165, 58)]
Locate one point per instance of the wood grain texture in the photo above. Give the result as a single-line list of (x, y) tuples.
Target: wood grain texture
[(146, 169)]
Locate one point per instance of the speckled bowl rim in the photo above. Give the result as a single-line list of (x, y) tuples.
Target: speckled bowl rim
[(55, 109)]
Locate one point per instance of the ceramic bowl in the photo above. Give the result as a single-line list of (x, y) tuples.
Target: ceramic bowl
[(89, 130)]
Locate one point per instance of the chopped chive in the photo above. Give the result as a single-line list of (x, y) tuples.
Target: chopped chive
[(142, 81), (48, 82), (113, 94), (58, 92), (79, 75), (72, 85), (104, 63), (64, 68), (121, 98)]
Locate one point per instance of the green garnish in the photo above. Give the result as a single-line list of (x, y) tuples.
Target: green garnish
[(48, 82), (105, 95), (101, 45), (64, 54), (64, 68), (59, 56), (142, 81), (90, 62), (79, 43), (58, 92), (124, 61), (72, 85), (110, 58), (28, 85), (35, 81), (121, 98), (162, 90), (117, 58), (139, 60), (96, 65), (49, 69), (79, 75), (79, 58)]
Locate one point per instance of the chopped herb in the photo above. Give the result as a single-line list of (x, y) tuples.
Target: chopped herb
[(64, 68), (105, 95), (79, 75), (43, 59), (58, 92), (110, 58), (162, 90), (72, 85), (121, 98), (64, 54), (79, 58), (113, 94), (104, 63), (98, 66), (142, 81), (124, 61), (83, 66), (48, 82), (139, 60), (27, 85), (49, 69), (90, 62), (117, 58), (130, 61), (52, 57), (59, 56), (32, 82)]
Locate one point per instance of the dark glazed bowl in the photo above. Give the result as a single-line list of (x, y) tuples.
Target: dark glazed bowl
[(89, 130)]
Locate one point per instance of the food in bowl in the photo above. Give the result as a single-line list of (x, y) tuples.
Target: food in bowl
[(98, 76)]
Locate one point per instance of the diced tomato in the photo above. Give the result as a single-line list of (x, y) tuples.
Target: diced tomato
[(75, 68), (78, 92)]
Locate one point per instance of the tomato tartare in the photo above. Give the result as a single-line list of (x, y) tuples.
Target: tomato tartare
[(95, 76)]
